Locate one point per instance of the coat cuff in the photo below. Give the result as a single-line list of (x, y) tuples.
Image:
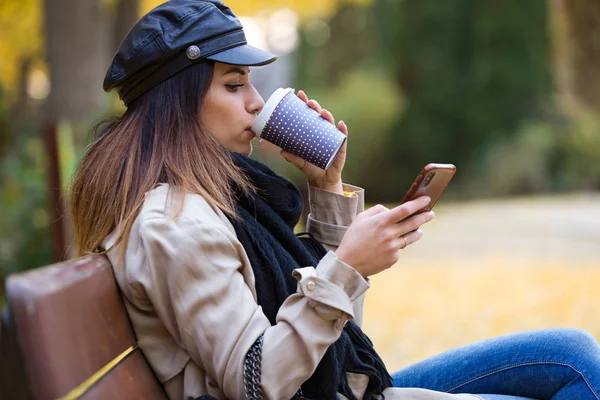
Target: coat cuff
[(332, 213), (327, 234), (333, 208), (343, 275), (333, 283)]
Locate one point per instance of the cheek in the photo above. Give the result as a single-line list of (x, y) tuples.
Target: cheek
[(221, 115), (213, 115), (230, 112)]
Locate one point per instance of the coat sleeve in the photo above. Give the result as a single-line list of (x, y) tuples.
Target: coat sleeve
[(329, 218), (196, 285)]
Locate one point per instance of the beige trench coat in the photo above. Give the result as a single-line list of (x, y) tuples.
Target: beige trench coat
[(189, 290)]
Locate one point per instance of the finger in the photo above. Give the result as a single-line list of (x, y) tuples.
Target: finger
[(404, 210), (328, 116), (314, 105), (377, 209), (342, 127), (413, 222), (302, 96), (404, 241), (297, 161)]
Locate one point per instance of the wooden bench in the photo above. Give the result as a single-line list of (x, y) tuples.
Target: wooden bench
[(65, 324), (66, 335)]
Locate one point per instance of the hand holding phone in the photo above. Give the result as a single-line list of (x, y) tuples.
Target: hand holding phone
[(431, 181)]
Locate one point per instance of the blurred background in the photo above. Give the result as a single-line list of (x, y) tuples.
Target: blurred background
[(507, 90)]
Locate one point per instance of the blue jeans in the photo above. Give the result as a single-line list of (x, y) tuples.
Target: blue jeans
[(557, 364)]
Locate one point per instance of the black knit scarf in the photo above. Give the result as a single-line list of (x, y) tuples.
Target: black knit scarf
[(266, 232)]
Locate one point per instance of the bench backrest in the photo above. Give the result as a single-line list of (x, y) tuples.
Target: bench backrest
[(70, 324)]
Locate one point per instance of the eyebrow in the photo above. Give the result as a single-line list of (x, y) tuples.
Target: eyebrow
[(236, 70)]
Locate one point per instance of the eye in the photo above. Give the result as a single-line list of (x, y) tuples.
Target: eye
[(234, 88)]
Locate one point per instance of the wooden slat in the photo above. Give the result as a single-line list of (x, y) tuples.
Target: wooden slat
[(131, 379)]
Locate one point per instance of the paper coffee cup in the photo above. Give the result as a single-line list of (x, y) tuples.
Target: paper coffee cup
[(289, 123)]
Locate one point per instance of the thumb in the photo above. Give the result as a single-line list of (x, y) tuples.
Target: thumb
[(291, 158)]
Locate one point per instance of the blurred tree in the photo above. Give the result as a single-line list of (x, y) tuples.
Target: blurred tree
[(577, 59), (471, 71), (330, 48), (127, 13), (578, 47), (76, 55), (25, 237), (21, 104)]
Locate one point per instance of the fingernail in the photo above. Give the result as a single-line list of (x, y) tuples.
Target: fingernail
[(432, 214), (427, 199)]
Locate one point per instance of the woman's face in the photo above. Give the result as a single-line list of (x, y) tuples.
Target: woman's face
[(230, 107)]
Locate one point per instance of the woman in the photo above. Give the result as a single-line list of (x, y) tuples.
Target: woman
[(225, 300)]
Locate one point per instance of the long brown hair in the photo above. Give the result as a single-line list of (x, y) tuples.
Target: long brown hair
[(159, 139)]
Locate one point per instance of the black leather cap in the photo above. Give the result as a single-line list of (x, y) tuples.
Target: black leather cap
[(174, 36)]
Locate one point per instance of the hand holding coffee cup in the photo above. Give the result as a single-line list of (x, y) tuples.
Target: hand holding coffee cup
[(307, 135)]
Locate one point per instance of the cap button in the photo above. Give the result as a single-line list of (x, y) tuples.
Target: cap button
[(193, 52)]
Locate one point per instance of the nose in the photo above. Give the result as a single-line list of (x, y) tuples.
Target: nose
[(255, 102)]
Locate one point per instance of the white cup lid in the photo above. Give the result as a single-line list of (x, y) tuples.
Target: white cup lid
[(265, 113)]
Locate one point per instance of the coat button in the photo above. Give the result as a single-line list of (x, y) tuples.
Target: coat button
[(311, 285)]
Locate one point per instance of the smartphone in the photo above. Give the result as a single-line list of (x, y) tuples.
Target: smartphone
[(431, 181)]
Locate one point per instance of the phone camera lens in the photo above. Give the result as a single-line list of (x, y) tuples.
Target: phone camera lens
[(428, 179)]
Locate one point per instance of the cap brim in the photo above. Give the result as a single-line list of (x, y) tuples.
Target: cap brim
[(244, 55)]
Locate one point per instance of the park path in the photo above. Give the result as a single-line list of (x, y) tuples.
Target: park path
[(488, 268), (558, 230)]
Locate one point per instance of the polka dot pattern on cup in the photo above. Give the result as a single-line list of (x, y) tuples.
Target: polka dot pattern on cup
[(297, 128)]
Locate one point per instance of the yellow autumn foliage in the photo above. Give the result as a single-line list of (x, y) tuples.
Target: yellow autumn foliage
[(20, 24), (414, 312), (305, 9)]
